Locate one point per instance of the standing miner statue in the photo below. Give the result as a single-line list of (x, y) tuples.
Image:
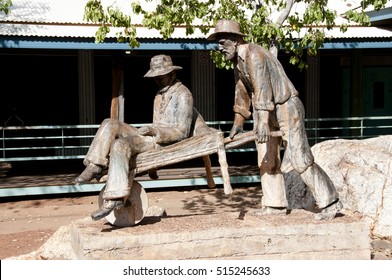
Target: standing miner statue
[(260, 82)]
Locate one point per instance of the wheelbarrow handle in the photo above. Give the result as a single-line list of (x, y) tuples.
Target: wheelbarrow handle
[(246, 137)]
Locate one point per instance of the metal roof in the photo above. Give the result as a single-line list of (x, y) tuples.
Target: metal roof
[(54, 23), (65, 18), (46, 11)]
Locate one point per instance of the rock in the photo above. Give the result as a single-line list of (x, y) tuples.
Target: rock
[(362, 173), (225, 236), (61, 240), (382, 245), (382, 249), (155, 211), (297, 193), (57, 247)]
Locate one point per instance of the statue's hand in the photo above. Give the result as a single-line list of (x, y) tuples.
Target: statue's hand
[(263, 132), (147, 131), (235, 130)]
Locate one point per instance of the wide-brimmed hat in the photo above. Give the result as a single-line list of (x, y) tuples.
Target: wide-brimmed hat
[(161, 65), (226, 26)]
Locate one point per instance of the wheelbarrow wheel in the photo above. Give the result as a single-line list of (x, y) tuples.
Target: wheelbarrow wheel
[(135, 207)]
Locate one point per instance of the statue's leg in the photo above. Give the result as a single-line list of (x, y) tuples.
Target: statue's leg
[(117, 183), (324, 192), (120, 178), (100, 146), (274, 199), (97, 156), (292, 122), (119, 175), (302, 159), (320, 185), (272, 182)]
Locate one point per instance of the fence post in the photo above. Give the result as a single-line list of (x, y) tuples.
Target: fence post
[(3, 132), (62, 142)]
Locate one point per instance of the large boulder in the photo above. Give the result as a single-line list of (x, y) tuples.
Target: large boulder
[(362, 173)]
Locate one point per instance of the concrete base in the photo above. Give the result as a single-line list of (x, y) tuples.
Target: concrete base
[(224, 236)]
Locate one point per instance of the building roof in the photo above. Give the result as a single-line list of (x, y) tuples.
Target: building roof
[(381, 18), (65, 18), (60, 23)]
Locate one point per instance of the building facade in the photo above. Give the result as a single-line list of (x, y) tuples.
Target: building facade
[(52, 72)]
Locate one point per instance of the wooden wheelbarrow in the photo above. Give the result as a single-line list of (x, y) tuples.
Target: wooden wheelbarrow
[(194, 147)]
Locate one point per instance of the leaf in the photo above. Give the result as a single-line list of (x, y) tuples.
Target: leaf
[(254, 17), (5, 6)]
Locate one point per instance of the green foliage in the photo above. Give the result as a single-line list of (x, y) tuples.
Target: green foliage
[(111, 17), (220, 61), (171, 13), (360, 16), (5, 6), (296, 34)]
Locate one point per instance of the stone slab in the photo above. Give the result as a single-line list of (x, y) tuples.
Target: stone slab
[(233, 235)]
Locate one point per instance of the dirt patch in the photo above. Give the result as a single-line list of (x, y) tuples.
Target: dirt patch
[(21, 243), (25, 225)]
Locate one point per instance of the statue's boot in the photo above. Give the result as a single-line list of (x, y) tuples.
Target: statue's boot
[(324, 192), (107, 207), (90, 172), (267, 210), (329, 212)]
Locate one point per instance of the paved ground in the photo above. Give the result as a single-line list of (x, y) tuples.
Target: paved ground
[(26, 224)]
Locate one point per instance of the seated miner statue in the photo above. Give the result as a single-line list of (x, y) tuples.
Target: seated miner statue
[(261, 83), (174, 119)]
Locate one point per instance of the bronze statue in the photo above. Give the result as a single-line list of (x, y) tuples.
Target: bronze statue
[(262, 84), (174, 119)]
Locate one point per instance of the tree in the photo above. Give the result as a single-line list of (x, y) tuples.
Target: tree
[(275, 24), (5, 6)]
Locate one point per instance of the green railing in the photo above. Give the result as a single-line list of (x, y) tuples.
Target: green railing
[(61, 142)]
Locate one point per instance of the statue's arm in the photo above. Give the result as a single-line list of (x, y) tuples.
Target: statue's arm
[(241, 108)]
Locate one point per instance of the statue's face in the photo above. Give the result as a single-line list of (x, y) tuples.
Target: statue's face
[(227, 45), (163, 81)]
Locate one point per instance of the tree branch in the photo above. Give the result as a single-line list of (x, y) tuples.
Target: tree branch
[(285, 13)]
